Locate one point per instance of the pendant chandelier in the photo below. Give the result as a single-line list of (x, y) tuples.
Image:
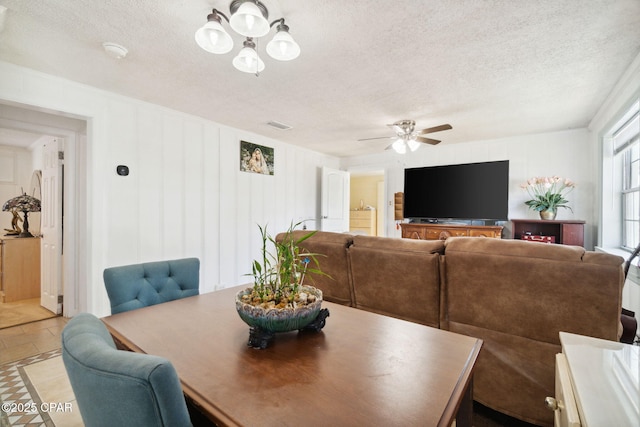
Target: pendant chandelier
[(249, 18)]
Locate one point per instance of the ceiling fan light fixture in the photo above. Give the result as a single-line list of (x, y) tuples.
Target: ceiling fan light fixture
[(282, 47), (249, 19), (407, 136), (212, 37), (247, 59)]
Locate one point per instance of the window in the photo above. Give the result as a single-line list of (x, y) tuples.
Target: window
[(626, 142)]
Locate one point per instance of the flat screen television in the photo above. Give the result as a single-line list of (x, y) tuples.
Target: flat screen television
[(472, 191)]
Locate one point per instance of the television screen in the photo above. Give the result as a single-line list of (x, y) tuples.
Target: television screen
[(473, 191)]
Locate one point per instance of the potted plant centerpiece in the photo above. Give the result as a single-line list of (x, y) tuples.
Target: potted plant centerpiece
[(548, 194), (280, 300)]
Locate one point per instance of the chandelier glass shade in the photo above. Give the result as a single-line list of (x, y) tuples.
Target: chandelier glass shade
[(282, 47), (249, 18), (249, 21), (213, 38), (248, 60)]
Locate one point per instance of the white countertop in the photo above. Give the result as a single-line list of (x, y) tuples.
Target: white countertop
[(606, 380)]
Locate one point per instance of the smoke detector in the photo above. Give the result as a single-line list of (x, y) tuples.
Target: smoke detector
[(115, 50)]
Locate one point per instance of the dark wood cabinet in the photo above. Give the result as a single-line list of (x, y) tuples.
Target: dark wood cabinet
[(442, 231), (565, 232)]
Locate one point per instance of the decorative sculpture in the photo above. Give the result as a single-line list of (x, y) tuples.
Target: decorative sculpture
[(15, 228)]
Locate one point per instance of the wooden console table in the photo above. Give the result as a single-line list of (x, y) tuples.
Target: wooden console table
[(443, 231), (19, 268), (565, 232)]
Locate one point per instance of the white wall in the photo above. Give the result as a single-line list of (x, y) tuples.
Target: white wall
[(567, 154), (185, 195)]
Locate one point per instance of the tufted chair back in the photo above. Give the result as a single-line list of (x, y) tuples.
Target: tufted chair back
[(139, 285), (119, 388)]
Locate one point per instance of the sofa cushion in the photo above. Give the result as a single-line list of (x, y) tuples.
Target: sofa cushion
[(532, 286), (332, 260), (397, 277)]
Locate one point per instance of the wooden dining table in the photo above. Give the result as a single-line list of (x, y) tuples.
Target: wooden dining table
[(362, 368)]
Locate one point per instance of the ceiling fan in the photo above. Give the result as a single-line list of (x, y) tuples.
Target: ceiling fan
[(407, 136)]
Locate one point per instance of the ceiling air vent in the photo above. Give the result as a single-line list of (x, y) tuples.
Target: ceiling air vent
[(278, 125)]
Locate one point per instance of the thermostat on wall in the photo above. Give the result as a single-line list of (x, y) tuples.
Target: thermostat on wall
[(122, 170)]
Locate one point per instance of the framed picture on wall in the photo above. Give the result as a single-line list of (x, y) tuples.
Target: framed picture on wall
[(256, 158)]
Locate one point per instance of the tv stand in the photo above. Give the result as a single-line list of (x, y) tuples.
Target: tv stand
[(422, 231)]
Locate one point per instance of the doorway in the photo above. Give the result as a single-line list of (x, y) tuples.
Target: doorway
[(73, 131), (367, 204)]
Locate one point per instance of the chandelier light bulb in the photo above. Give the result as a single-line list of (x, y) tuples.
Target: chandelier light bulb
[(249, 21)]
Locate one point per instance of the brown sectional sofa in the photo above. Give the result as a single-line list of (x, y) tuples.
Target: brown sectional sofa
[(514, 295)]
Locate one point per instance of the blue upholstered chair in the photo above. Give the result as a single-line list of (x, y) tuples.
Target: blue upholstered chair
[(119, 388), (140, 285)]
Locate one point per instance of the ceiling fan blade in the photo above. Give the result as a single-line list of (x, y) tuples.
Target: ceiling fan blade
[(427, 140), (380, 137), (436, 129)]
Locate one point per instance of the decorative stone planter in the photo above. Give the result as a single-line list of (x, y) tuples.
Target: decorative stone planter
[(265, 322)]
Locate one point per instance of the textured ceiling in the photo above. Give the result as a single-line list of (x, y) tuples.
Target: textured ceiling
[(489, 68)]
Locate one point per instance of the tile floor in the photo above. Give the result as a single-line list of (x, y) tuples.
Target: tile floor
[(50, 382), (32, 351), (30, 339)]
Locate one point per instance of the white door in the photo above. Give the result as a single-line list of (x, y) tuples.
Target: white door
[(335, 200), (51, 217)]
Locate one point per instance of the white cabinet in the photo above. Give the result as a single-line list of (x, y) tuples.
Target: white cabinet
[(597, 383), (363, 222)]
